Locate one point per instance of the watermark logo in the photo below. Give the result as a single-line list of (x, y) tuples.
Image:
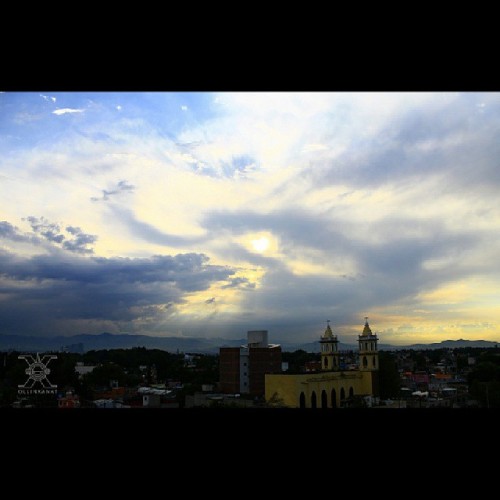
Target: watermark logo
[(37, 372)]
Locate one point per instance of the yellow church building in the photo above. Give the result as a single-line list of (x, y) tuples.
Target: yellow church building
[(330, 387)]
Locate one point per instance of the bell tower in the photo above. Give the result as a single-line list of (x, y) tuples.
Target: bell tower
[(368, 349), (329, 350)]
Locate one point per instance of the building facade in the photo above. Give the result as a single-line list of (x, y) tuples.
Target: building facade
[(242, 369), (330, 387)]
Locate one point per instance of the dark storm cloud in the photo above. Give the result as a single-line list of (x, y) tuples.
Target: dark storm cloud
[(389, 268), (121, 187), (50, 231), (459, 140), (291, 225), (80, 241), (149, 232), (294, 308), (398, 252), (8, 231), (46, 289)]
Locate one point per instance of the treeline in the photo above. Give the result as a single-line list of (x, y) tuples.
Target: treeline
[(128, 367)]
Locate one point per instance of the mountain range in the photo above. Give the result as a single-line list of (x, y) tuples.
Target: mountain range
[(86, 342)]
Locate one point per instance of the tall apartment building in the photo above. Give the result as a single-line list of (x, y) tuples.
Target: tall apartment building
[(243, 369)]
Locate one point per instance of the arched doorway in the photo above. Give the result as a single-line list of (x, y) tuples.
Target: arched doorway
[(313, 400), (342, 395), (302, 400), (351, 392), (324, 400), (334, 398)]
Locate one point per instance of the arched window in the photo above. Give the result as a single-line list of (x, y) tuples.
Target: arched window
[(334, 398), (326, 362), (365, 362), (302, 400), (374, 362), (342, 394), (313, 400), (324, 400), (351, 392)]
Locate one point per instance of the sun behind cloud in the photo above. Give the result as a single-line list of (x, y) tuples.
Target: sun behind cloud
[(260, 245)]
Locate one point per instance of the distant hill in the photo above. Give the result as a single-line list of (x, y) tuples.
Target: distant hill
[(445, 344), (86, 342)]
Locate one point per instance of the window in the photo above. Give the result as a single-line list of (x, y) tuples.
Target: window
[(244, 364), (374, 361), (245, 374), (302, 400), (313, 400), (365, 362), (334, 398)]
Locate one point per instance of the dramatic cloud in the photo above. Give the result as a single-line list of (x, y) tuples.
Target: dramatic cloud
[(212, 214), (76, 241), (80, 241), (9, 231), (63, 291), (48, 230)]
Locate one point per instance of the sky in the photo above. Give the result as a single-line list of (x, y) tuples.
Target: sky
[(202, 214)]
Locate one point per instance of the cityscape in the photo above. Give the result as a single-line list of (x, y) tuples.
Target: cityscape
[(257, 374)]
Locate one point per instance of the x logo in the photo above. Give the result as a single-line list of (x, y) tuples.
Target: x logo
[(37, 370)]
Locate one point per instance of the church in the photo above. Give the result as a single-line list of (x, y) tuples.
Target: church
[(331, 386)]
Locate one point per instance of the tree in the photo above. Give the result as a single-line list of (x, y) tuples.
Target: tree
[(484, 384), (275, 401), (389, 379), (102, 375), (296, 360)]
